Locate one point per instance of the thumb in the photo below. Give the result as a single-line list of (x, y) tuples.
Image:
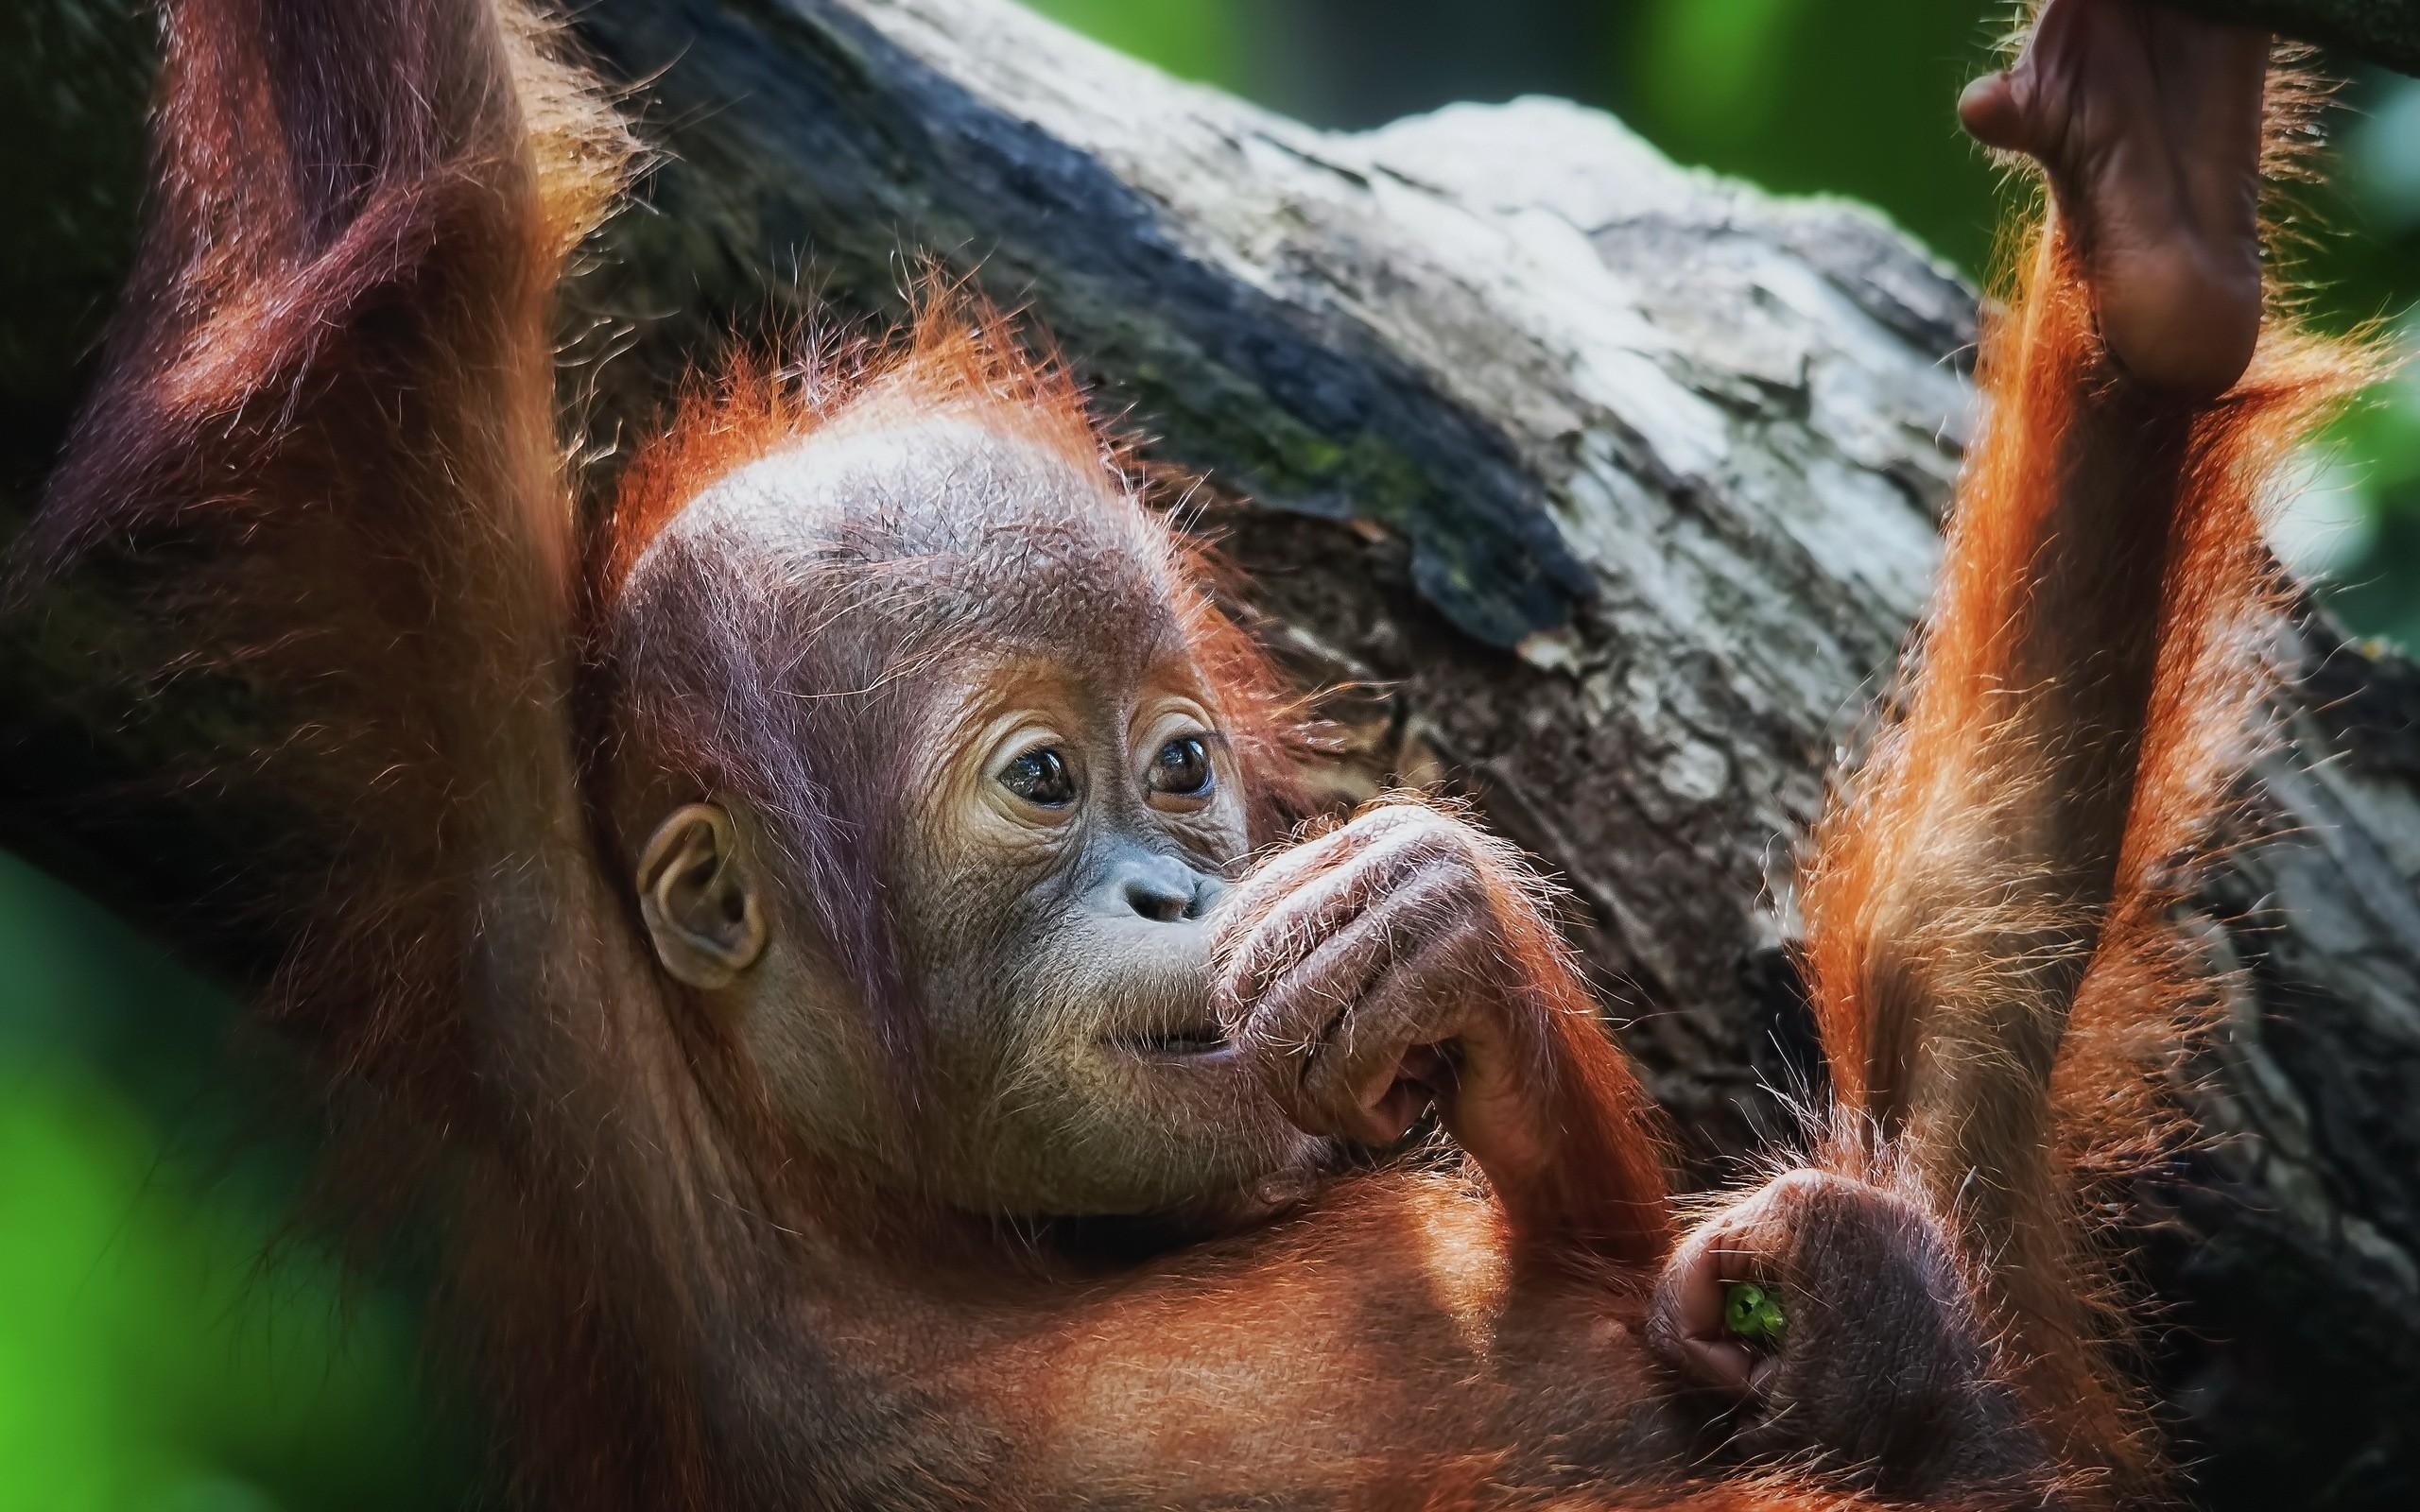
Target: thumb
[(1994, 113)]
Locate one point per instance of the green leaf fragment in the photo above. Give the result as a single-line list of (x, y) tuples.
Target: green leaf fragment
[(1751, 1313)]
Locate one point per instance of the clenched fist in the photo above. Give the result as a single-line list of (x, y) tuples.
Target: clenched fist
[(1879, 1363), (1403, 959)]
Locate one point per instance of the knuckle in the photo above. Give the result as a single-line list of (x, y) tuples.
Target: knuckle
[(1742, 1238), (1442, 867), (1450, 862), (1434, 835), (1807, 1185), (1391, 818), (1808, 1202), (1829, 1224), (1412, 833), (1398, 851)]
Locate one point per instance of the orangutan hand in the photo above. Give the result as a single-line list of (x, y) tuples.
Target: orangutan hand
[(1868, 1351), (1386, 965)]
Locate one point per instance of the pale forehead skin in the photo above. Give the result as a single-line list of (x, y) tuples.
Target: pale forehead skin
[(980, 528)]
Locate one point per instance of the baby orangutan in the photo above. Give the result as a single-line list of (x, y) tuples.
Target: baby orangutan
[(837, 953), (1006, 706)]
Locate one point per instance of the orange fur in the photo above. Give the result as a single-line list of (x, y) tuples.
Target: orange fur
[(956, 356), (1997, 986), (331, 389)]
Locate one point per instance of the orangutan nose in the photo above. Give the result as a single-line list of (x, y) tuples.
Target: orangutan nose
[(1164, 890)]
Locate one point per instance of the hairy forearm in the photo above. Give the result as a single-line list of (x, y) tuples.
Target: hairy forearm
[(1597, 1194), (1975, 868), (2040, 672), (1324, 1361)]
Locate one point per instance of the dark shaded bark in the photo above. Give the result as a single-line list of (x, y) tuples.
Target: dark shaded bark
[(1614, 485), (2386, 32)]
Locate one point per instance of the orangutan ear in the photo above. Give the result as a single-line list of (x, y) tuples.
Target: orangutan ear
[(699, 903)]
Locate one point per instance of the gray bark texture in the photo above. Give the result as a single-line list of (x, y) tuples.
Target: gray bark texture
[(1611, 487)]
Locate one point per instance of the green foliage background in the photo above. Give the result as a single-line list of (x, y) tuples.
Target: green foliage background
[(150, 1360)]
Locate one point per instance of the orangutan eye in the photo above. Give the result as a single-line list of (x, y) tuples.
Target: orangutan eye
[(1041, 778), (1182, 768)]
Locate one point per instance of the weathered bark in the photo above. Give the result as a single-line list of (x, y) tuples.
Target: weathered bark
[(2386, 32), (1614, 485)]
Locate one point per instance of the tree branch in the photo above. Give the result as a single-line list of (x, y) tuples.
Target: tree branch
[(2386, 32)]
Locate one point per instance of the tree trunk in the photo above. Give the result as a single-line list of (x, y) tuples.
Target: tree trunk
[(2386, 32), (1610, 487)]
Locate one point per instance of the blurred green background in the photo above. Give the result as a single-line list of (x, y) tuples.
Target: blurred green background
[(150, 1358)]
